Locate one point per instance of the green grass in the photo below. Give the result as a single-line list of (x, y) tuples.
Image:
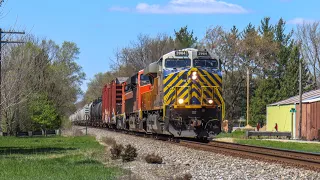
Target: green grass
[(53, 158), (234, 134), (306, 147)]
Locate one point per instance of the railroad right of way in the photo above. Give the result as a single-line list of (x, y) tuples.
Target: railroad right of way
[(201, 164)]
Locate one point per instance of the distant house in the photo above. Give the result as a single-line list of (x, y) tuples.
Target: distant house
[(286, 115)]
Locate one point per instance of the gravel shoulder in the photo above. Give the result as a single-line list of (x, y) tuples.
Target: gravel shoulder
[(178, 161)]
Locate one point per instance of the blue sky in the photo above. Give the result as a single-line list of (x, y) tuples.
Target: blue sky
[(100, 27)]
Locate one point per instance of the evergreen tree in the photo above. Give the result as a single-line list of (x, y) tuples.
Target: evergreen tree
[(269, 88), (263, 95), (282, 81), (290, 80), (184, 38)]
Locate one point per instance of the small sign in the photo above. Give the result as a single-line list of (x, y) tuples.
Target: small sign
[(86, 110), (292, 110)]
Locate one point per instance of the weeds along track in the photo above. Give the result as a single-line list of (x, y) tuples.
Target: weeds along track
[(298, 159)]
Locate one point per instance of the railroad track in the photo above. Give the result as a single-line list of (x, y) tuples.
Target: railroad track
[(304, 160), (298, 159)]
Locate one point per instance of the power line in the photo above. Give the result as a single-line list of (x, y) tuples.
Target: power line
[(5, 42)]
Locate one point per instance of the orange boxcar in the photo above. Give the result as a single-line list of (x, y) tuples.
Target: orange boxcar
[(112, 100)]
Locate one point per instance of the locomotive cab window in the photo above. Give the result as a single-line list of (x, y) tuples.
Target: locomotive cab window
[(177, 63), (144, 80), (209, 63), (127, 88)]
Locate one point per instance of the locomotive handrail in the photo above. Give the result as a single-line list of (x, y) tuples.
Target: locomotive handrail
[(222, 104), (215, 90), (212, 92)]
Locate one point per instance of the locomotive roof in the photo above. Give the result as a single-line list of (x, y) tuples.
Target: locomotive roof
[(193, 53)]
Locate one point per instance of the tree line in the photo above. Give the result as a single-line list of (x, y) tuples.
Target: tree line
[(270, 52), (40, 84)]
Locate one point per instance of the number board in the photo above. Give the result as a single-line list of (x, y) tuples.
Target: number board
[(202, 53), (181, 53)]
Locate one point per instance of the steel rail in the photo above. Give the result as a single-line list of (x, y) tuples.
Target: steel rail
[(288, 157)]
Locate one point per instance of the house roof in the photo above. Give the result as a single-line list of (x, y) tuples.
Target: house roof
[(311, 96), (313, 99)]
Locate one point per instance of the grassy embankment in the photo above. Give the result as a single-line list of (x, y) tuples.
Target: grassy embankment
[(53, 158), (239, 137)]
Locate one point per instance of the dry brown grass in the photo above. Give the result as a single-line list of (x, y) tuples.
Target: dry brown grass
[(153, 159), (186, 176), (109, 140), (78, 132), (116, 151)]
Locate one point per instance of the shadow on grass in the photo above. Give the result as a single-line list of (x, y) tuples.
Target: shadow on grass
[(30, 151)]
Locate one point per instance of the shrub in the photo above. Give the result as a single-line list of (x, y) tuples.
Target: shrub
[(116, 151), (153, 159), (78, 132), (186, 176), (130, 153), (109, 141)]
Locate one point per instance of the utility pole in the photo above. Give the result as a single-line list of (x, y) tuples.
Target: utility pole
[(248, 93), (300, 95), (5, 42)]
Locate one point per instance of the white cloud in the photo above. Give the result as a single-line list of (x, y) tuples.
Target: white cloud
[(189, 7), (299, 21)]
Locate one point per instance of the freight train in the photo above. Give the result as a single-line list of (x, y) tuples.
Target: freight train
[(180, 95)]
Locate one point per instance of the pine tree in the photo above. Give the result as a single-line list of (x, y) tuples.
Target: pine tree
[(290, 80), (269, 88), (263, 95), (184, 38)]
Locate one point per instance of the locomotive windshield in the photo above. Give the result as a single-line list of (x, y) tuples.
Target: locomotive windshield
[(210, 63), (177, 63), (144, 80)]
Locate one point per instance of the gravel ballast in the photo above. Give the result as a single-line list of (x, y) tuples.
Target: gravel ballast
[(178, 160)]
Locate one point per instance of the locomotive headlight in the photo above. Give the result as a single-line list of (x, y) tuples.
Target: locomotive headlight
[(194, 76), (210, 101), (180, 101)]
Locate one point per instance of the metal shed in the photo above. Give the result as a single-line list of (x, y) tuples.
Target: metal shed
[(287, 121), (310, 124)]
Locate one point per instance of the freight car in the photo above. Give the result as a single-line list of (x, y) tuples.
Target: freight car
[(179, 95)]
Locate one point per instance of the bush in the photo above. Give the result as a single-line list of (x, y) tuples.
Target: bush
[(130, 153), (116, 151), (186, 176), (153, 159), (78, 132), (109, 141)]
